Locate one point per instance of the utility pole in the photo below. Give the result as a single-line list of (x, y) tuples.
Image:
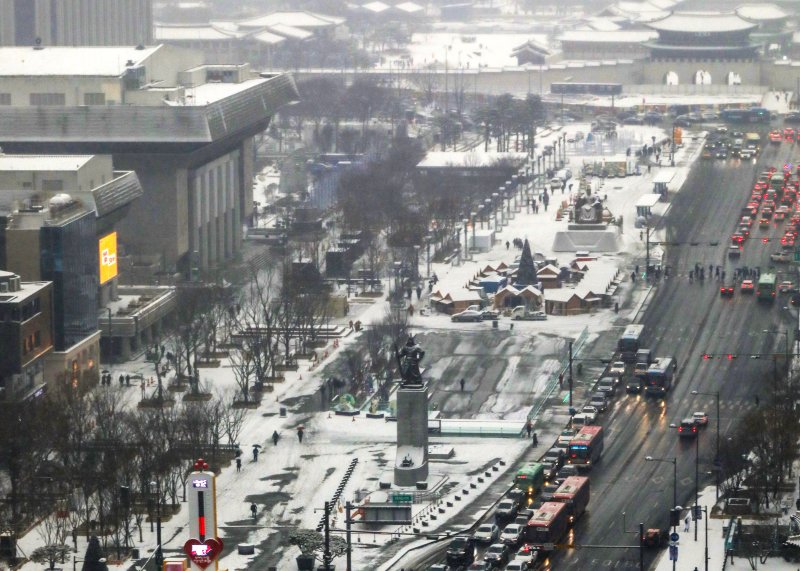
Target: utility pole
[(696, 483), (641, 547), (326, 555), (347, 508), (570, 375), (647, 251)]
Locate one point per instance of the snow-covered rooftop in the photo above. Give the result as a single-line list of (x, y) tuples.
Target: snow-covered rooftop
[(602, 24), (469, 159), (375, 7), (295, 19), (69, 60), (43, 162), (619, 36), (291, 31), (761, 12), (211, 92), (709, 22), (409, 7), (164, 32)]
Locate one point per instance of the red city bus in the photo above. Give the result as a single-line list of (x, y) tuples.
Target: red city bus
[(547, 526), (574, 492), (586, 447)]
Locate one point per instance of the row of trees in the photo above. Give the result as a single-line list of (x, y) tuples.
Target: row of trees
[(757, 459), (88, 460)]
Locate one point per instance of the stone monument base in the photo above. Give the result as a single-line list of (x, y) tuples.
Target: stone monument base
[(416, 469), (411, 462)]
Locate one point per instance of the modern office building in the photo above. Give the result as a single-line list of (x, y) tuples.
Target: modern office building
[(76, 22), (58, 217), (25, 334), (187, 129)]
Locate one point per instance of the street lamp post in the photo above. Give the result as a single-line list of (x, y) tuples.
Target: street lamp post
[(465, 221), (674, 462), (159, 555), (715, 394), (487, 209), (494, 203)]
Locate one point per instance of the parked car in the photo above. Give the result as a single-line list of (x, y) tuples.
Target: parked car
[(487, 532), (490, 314), (521, 312), (467, 315)]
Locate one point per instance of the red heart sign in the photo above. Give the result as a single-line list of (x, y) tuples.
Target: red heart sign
[(203, 553)]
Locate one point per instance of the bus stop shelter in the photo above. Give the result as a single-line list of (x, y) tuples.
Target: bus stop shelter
[(661, 183), (644, 206)]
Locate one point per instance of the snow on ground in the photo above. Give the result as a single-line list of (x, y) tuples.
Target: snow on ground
[(289, 481), (691, 553), (775, 101)]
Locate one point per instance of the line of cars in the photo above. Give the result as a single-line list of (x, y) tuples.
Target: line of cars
[(721, 145), (773, 201), (474, 313)]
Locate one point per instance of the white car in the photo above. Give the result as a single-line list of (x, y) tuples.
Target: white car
[(487, 533), (780, 257), (590, 412), (510, 535), (617, 368), (700, 418)]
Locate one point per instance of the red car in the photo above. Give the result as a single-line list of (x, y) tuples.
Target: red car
[(747, 286), (788, 134), (737, 239), (726, 291)]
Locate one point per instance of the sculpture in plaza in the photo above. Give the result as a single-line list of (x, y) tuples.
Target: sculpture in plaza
[(408, 359)]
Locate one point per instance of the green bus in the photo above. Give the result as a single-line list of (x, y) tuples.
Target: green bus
[(766, 287), (530, 479)]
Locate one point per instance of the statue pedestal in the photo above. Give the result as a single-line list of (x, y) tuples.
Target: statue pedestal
[(411, 462)]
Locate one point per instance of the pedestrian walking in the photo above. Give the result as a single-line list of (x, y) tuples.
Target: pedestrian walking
[(121, 380), (127, 380), (254, 510), (300, 430), (508, 244), (535, 440), (275, 437), (238, 464), (255, 452), (462, 382), (529, 427), (686, 523)]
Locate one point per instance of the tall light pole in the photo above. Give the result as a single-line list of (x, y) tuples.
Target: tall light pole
[(715, 394), (465, 221), (159, 555), (674, 462)]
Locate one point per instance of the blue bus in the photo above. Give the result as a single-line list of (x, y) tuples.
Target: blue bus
[(752, 115), (630, 342), (660, 375)]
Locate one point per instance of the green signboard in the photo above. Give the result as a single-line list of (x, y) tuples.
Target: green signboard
[(402, 498)]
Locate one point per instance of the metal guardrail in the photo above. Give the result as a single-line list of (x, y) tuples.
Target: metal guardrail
[(579, 342), (729, 541)]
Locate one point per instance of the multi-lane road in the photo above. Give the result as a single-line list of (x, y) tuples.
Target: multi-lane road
[(686, 319)]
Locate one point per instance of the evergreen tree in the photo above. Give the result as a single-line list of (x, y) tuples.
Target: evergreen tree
[(91, 561), (526, 274)]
